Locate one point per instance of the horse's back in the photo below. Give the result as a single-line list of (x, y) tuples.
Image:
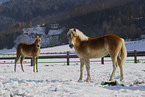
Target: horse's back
[(23, 45), (25, 48), (101, 42), (113, 41), (113, 38), (101, 46)]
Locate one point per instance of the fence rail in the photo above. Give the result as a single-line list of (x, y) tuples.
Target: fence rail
[(69, 55)]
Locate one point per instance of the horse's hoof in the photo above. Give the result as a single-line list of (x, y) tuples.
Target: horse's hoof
[(121, 79), (110, 79), (88, 80), (80, 80)]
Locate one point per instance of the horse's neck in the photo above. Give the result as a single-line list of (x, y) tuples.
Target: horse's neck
[(35, 45), (82, 36)]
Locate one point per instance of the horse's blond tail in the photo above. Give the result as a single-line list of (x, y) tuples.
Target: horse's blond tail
[(123, 53)]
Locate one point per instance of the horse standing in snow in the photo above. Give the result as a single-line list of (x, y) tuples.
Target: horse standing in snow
[(29, 50), (87, 48)]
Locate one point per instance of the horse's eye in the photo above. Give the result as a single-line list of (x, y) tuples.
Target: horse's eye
[(39, 40)]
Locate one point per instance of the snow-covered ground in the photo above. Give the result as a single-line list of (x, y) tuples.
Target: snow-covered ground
[(59, 80)]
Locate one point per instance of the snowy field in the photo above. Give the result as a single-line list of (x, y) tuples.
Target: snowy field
[(60, 80)]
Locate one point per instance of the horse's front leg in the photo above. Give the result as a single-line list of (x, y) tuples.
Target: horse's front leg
[(81, 69), (34, 61), (87, 62), (37, 64)]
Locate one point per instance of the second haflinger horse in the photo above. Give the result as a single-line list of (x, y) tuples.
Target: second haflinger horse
[(29, 50), (87, 48)]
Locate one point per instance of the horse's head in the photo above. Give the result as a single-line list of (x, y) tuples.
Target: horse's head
[(71, 36), (75, 36), (38, 41)]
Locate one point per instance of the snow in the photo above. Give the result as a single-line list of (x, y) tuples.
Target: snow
[(55, 32), (59, 80), (131, 46), (35, 30), (62, 49), (136, 45)]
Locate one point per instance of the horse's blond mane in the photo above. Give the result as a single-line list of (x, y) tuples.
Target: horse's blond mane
[(82, 36), (34, 41)]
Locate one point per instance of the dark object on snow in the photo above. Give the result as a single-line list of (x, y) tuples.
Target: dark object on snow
[(114, 83), (138, 82)]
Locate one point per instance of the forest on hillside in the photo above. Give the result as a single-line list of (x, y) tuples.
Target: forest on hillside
[(124, 18)]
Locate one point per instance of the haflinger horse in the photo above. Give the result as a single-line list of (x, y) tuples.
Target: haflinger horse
[(87, 48), (29, 50)]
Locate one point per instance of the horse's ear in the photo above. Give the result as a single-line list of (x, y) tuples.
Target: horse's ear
[(35, 36), (68, 29), (75, 29), (39, 36)]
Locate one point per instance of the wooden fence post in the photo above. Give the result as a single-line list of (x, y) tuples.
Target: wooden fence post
[(102, 60), (135, 56), (31, 62), (67, 57)]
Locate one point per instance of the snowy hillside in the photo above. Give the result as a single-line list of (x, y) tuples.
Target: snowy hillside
[(136, 45), (131, 46)]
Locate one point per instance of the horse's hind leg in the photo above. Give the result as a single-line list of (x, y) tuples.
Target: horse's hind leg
[(114, 61), (121, 68), (16, 60), (22, 58)]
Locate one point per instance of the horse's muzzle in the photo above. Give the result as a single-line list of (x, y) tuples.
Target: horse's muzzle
[(38, 46), (71, 45)]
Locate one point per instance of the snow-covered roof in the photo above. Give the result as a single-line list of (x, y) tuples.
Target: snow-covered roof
[(54, 32), (38, 30)]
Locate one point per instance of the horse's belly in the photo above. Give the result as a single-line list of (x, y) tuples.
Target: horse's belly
[(98, 54), (30, 53)]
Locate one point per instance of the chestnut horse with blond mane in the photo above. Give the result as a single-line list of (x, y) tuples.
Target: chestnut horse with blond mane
[(29, 50), (87, 48)]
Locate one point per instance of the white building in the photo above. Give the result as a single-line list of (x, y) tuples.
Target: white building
[(50, 39), (54, 26), (35, 30), (55, 32)]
